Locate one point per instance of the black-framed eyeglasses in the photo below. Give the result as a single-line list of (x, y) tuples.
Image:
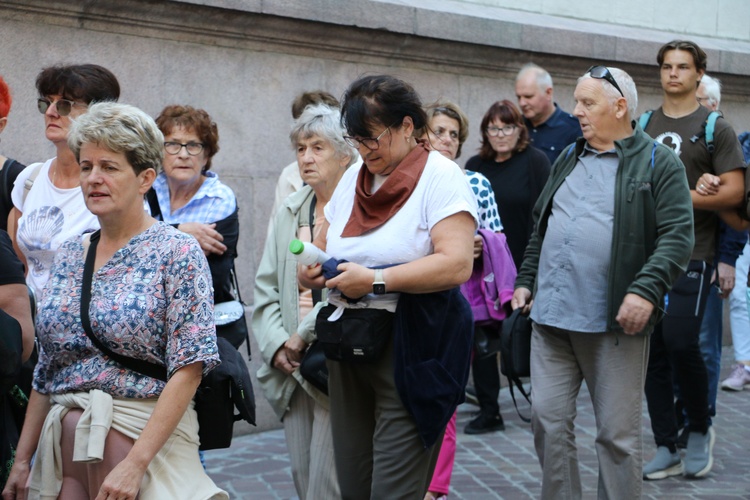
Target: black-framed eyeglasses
[(371, 143), (504, 130), (602, 73), (63, 106), (193, 148)]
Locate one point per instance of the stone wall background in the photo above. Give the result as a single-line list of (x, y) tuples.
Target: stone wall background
[(245, 60)]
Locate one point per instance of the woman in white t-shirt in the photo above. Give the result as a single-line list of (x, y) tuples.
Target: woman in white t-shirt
[(47, 199), (412, 210)]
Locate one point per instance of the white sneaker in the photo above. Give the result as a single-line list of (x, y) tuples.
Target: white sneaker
[(737, 380)]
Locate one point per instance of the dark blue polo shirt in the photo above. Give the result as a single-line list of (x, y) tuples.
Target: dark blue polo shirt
[(552, 136)]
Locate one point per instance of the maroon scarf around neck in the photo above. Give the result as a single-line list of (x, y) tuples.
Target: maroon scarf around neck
[(372, 210)]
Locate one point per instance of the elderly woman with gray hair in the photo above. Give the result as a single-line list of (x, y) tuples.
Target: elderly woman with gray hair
[(281, 303), (142, 290)]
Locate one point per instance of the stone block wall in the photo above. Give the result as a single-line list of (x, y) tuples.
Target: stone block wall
[(245, 60)]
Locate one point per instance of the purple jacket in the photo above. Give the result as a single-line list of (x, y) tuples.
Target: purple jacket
[(490, 287)]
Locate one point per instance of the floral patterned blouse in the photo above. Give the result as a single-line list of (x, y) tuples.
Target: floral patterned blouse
[(152, 300)]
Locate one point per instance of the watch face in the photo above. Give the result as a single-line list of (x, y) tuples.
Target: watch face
[(378, 288)]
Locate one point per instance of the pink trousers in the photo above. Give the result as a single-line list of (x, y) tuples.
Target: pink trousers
[(441, 478)]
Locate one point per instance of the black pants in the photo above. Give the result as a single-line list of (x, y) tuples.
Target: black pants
[(487, 382), (675, 348)]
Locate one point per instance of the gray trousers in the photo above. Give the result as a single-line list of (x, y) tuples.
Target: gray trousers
[(307, 428), (378, 453), (614, 368)]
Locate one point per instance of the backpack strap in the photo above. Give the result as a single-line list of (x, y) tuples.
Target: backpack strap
[(709, 126), (30, 182), (645, 118)]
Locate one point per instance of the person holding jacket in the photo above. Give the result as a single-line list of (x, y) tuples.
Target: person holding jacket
[(613, 230), (404, 222)]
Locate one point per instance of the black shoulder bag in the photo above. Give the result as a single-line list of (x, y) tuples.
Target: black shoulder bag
[(225, 388), (313, 367)]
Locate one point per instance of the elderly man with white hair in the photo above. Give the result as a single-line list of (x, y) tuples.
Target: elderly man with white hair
[(709, 93), (613, 229)]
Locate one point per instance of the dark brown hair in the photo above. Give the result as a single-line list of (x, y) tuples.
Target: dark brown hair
[(81, 82), (380, 99), (193, 119), (506, 112), (699, 56)]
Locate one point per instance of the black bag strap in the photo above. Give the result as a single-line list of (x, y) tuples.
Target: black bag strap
[(317, 294), (153, 204), (7, 187), (238, 295), (517, 382), (137, 365)]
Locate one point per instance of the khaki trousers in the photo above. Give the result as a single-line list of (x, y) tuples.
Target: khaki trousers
[(307, 427), (614, 368)]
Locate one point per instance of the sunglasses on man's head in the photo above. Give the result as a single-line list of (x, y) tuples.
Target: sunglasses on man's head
[(602, 73)]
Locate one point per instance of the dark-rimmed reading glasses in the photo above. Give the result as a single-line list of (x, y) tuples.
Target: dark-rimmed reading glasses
[(371, 143), (193, 148)]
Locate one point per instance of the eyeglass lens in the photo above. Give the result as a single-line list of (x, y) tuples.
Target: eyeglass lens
[(63, 106), (505, 130), (193, 148)]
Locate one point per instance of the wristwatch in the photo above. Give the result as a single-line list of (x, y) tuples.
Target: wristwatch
[(378, 286)]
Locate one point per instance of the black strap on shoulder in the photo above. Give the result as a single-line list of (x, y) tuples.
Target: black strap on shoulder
[(153, 204), (317, 295), (137, 365), (7, 187)]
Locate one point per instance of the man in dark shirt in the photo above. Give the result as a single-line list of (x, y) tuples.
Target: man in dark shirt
[(550, 128), (680, 124)]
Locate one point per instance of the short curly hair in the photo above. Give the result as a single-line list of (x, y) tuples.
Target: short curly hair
[(190, 118)]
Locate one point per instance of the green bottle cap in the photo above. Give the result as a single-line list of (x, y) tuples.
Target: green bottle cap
[(296, 247)]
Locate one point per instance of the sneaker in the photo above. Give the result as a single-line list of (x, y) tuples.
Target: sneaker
[(738, 379), (471, 396), (699, 456), (484, 423), (682, 439), (664, 464)]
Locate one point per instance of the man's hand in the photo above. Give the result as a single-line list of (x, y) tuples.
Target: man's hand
[(634, 313), (209, 239), (726, 279), (708, 184), (521, 298)]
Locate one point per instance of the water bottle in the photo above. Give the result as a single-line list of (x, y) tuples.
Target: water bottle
[(307, 253)]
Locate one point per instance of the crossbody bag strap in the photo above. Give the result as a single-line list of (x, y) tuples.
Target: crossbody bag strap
[(137, 365), (317, 294)]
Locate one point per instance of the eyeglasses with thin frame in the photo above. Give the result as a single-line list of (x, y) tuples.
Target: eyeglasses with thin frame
[(193, 148), (63, 106), (504, 130), (602, 73), (371, 143)]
